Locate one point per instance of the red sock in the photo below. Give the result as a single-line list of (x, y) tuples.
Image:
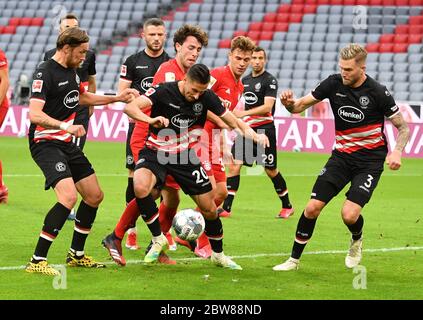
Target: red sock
[(202, 240), (128, 219), (166, 216), (1, 175)]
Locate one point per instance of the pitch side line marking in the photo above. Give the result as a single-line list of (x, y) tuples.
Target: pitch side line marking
[(260, 255)]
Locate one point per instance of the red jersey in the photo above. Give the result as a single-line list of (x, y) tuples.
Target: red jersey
[(5, 103), (224, 84)]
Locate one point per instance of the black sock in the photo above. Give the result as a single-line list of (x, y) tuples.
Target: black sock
[(150, 214), (281, 189), (130, 193), (357, 228), (305, 228), (84, 220), (232, 184), (53, 223), (214, 231)]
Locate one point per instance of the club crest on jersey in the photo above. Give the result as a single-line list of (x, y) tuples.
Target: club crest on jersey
[(78, 81), (257, 86), (182, 121), (72, 99), (364, 101), (250, 98), (198, 108), (149, 92), (37, 85), (350, 114), (147, 83), (123, 70)]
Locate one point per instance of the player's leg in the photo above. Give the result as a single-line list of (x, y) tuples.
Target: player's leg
[(167, 210), (331, 181), (362, 186), (4, 192), (281, 189)]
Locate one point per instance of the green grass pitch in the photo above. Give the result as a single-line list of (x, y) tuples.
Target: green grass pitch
[(393, 244)]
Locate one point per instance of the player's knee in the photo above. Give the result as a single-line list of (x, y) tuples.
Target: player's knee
[(68, 200), (94, 198), (312, 211), (349, 216), (271, 173), (221, 194), (141, 191)]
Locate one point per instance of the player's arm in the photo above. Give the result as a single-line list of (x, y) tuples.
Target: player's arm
[(134, 111), (229, 118), (92, 87), (262, 110), (4, 83), (393, 160), (294, 105), (216, 120), (91, 99), (39, 117)]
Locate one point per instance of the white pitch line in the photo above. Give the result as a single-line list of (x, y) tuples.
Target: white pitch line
[(259, 255)]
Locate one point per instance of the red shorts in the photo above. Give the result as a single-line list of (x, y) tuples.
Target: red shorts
[(171, 183), (217, 170), (139, 135)]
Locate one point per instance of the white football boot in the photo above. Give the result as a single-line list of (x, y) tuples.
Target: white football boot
[(290, 264), (353, 257)]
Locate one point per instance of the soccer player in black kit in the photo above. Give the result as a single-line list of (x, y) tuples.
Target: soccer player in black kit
[(138, 72), (260, 91), (57, 92), (181, 107), (86, 72), (360, 105)]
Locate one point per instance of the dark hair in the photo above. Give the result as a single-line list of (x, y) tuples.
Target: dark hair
[(73, 37), (189, 30), (153, 22), (199, 73), (69, 16), (260, 49)]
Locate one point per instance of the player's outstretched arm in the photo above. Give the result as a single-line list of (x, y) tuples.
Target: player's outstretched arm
[(91, 99), (229, 118), (393, 160), (294, 105)]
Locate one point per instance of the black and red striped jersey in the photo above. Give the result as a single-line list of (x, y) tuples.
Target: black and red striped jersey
[(59, 88), (255, 90), (139, 69), (359, 116), (186, 119)]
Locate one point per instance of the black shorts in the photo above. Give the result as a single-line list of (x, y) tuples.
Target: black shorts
[(129, 156), (338, 172), (191, 177), (59, 160), (247, 151)]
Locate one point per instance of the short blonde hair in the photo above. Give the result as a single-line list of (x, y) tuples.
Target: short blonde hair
[(242, 43), (353, 51)]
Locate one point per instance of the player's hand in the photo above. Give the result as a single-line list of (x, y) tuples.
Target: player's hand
[(76, 130), (287, 99), (159, 122), (227, 156), (262, 140), (128, 95), (393, 160), (238, 113)]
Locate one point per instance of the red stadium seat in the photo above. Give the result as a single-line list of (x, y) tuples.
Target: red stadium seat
[(416, 2), (402, 2), (225, 43), (350, 2), (253, 35), (297, 8), (415, 38), (415, 29), (255, 26), (1, 29), (284, 18), (295, 18), (37, 22), (401, 38), (268, 27), (372, 47), (285, 8), (14, 21), (402, 29), (266, 35), (416, 20), (310, 9), (281, 27), (386, 47), (270, 17), (386, 38), (238, 33), (337, 2), (9, 29), (25, 22), (400, 47)]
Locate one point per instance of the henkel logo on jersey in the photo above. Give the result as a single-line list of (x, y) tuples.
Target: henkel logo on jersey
[(351, 114), (72, 99), (250, 97), (182, 121), (146, 83)]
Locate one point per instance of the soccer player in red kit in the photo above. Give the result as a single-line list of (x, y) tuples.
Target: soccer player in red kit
[(188, 42), (4, 105)]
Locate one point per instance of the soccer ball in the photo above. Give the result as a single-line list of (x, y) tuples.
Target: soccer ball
[(188, 224)]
